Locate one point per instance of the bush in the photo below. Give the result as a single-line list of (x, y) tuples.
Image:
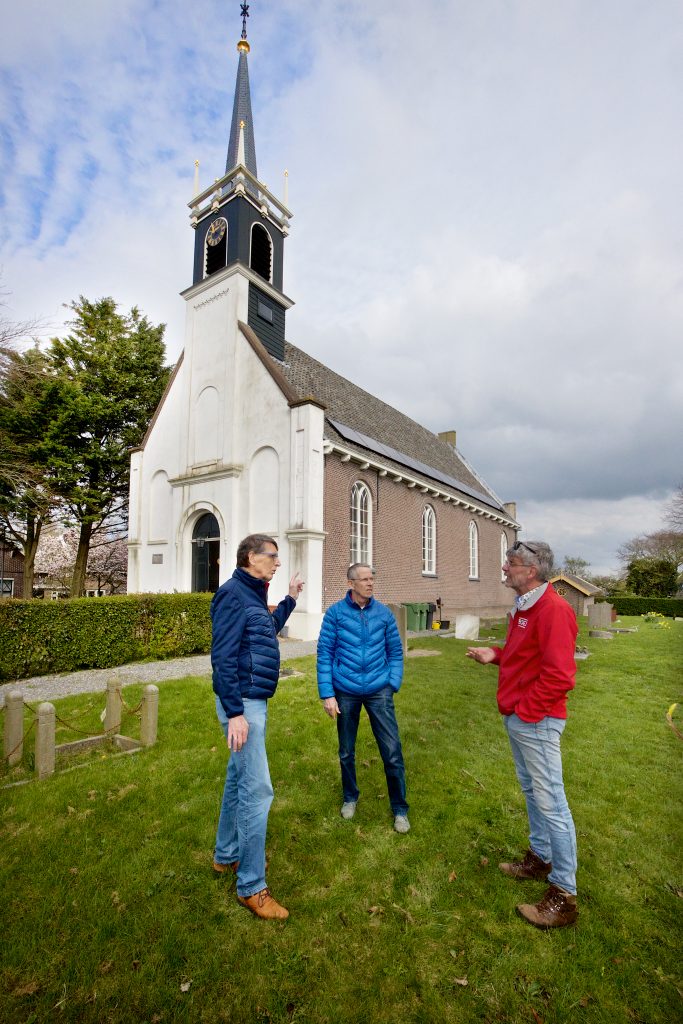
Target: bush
[(670, 606), (39, 637)]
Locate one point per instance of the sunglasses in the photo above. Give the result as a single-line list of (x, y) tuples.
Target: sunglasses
[(520, 544)]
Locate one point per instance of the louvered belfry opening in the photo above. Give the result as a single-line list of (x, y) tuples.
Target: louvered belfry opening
[(217, 255), (260, 252)]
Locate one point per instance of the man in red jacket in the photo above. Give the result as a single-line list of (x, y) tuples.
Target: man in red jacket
[(536, 669)]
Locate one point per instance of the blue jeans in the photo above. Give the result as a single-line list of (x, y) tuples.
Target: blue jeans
[(380, 709), (538, 762), (247, 797)]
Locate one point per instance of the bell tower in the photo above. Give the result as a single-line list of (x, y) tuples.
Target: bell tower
[(240, 225)]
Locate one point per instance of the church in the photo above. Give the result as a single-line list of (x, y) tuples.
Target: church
[(253, 435)]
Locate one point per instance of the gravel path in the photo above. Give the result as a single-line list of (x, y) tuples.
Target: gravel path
[(94, 680)]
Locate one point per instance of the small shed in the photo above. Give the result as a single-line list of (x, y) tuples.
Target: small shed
[(579, 593)]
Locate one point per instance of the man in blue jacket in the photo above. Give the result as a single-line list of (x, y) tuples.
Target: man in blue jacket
[(360, 664), (245, 656)]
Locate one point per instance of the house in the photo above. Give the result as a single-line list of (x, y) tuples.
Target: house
[(255, 435), (11, 569), (579, 593)]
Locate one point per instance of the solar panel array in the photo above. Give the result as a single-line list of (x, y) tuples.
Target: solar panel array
[(404, 460)]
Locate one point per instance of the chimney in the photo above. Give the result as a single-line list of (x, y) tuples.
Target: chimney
[(448, 436), (511, 508)]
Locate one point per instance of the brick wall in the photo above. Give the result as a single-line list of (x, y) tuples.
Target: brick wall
[(397, 546), (13, 569)]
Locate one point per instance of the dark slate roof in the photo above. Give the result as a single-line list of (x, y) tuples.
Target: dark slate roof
[(350, 405), (241, 111)]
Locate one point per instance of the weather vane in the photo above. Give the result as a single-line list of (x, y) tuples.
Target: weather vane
[(245, 15)]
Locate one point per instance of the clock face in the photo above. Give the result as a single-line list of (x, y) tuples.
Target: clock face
[(216, 231)]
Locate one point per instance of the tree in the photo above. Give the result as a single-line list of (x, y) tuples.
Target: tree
[(673, 512), (12, 466), (111, 376), (56, 556), (27, 486), (667, 544), (576, 566), (652, 577), (107, 560), (108, 564)]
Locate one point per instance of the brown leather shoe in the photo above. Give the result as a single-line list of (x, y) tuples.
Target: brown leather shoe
[(263, 905), (222, 869), (555, 910), (531, 867)]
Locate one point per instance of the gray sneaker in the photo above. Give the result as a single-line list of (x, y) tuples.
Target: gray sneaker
[(401, 824), (348, 809)]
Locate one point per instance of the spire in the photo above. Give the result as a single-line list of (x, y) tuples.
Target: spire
[(241, 108)]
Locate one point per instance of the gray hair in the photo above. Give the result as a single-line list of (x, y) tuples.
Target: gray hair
[(352, 571), (537, 553), (253, 543)]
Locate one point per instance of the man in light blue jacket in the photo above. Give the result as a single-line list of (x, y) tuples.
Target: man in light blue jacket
[(360, 664)]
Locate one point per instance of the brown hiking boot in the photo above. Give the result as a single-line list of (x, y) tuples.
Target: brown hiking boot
[(263, 905), (531, 867), (555, 910)]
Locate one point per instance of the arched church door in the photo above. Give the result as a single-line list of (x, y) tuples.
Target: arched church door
[(206, 538)]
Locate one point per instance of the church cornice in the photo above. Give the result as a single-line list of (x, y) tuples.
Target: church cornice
[(405, 478), (237, 267), (212, 471), (234, 183)]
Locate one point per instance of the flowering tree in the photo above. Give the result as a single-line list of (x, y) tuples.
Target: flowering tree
[(108, 564), (107, 561)]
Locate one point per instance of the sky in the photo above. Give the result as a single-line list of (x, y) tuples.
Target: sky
[(487, 230)]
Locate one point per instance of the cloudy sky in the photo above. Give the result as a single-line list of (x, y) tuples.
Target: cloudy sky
[(487, 224)]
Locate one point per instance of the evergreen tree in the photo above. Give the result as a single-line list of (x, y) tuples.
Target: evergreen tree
[(110, 375)]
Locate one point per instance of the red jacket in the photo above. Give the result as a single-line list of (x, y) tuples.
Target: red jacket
[(537, 666)]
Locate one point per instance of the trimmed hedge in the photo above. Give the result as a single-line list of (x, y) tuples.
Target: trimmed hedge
[(41, 637), (670, 606)]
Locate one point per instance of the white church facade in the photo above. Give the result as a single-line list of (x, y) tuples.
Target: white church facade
[(253, 435)]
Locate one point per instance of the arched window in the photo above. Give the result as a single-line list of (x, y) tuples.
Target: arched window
[(428, 540), (503, 554), (474, 551), (361, 524), (206, 538), (261, 258), (216, 245)]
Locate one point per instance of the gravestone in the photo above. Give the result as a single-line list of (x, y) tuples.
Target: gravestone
[(600, 615), (466, 627)]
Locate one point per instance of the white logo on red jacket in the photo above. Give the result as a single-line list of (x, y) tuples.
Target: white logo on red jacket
[(523, 623)]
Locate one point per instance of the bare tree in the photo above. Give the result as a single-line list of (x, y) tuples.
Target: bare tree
[(673, 512)]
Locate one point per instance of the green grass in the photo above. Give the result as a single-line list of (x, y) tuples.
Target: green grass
[(109, 903)]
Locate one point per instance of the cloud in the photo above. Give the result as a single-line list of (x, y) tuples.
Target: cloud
[(487, 230)]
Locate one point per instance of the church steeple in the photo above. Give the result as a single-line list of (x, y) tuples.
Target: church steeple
[(240, 226), (241, 108)]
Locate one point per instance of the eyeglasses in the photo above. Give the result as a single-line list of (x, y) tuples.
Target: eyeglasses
[(269, 554), (520, 544)]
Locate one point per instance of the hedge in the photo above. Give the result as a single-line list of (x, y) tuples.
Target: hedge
[(41, 637), (670, 606)]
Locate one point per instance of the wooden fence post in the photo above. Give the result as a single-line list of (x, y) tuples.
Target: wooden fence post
[(13, 747), (45, 740), (149, 715), (112, 716)]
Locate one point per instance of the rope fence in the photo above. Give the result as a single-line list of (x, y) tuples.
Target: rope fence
[(45, 719)]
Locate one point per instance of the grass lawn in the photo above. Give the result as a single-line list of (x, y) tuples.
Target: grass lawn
[(111, 912)]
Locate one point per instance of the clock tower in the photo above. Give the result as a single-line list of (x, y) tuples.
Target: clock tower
[(240, 226)]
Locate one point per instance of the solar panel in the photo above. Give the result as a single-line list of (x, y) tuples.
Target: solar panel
[(405, 460)]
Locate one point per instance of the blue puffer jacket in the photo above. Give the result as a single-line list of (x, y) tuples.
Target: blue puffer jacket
[(359, 649), (245, 654)]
